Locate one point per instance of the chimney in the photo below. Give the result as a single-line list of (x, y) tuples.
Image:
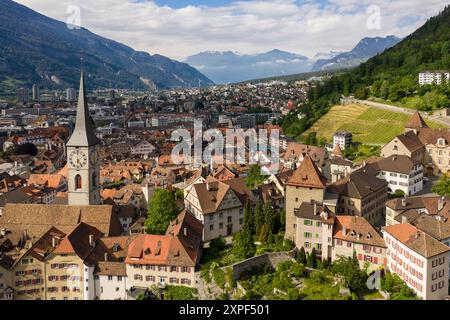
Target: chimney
[(404, 219), (54, 242), (106, 256), (207, 186), (91, 240), (315, 208), (441, 203), (403, 202), (3, 232), (344, 231), (185, 231)]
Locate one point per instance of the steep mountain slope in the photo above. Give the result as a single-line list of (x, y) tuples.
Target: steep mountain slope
[(391, 75), (364, 50), (426, 48), (38, 49), (227, 67)]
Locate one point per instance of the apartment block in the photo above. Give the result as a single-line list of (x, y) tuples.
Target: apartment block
[(419, 259)]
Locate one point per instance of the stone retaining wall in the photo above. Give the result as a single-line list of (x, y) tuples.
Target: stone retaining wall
[(271, 259)]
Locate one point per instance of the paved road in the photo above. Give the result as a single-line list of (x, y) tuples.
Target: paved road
[(425, 115)]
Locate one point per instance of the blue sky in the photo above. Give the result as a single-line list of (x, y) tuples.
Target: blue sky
[(179, 28)]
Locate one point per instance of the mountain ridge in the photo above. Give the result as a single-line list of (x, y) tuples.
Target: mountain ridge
[(39, 49), (229, 66), (365, 49)]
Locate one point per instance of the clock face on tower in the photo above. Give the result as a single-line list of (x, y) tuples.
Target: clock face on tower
[(77, 159)]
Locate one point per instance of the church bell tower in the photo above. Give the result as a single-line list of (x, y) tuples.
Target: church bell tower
[(82, 157)]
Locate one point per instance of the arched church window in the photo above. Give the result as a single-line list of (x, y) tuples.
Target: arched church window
[(78, 184)]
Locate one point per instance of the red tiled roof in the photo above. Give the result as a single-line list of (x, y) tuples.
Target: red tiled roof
[(307, 175)]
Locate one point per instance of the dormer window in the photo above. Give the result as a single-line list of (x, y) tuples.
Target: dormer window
[(441, 142)]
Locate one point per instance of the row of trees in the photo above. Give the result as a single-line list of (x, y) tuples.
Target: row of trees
[(259, 224)]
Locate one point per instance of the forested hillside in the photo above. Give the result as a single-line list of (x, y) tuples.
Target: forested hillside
[(391, 76)]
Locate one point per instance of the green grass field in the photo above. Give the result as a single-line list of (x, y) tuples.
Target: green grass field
[(368, 125)]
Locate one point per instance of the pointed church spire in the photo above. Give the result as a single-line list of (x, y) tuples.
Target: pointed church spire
[(416, 122), (83, 134), (337, 152)]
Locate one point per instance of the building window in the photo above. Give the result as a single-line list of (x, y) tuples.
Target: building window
[(78, 182)]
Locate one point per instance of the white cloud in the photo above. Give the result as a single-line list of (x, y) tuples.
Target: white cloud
[(303, 27)]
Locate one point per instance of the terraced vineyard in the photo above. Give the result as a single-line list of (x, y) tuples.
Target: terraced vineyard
[(368, 125)]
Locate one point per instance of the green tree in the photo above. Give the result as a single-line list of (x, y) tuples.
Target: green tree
[(269, 216), (348, 268), (311, 139), (162, 209), (254, 177), (442, 187), (375, 89), (265, 233), (249, 218), (384, 90), (259, 217), (311, 261), (301, 256), (243, 245), (397, 289), (361, 93)]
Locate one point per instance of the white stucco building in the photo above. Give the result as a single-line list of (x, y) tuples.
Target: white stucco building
[(430, 77), (402, 173), (419, 259)]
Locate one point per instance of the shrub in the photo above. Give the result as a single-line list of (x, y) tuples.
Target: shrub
[(293, 294), (284, 266), (318, 277), (179, 293), (219, 277), (299, 270), (218, 244)]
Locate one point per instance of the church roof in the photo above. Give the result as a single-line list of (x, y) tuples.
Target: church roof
[(83, 134), (337, 152)]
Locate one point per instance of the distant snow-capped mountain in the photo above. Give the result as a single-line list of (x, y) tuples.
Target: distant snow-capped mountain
[(229, 67), (364, 50)]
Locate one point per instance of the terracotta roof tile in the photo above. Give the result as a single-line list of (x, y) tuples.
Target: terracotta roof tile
[(357, 229), (307, 175), (416, 121), (417, 240)]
